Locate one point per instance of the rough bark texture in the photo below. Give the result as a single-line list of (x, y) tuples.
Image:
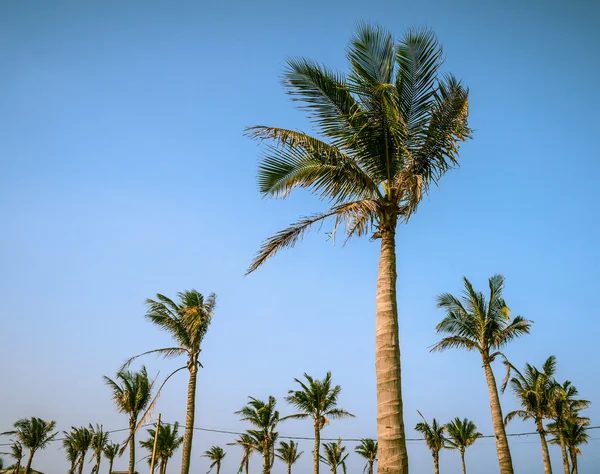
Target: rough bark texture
[(81, 461), (132, 423), (317, 448), (393, 458), (29, 459), (502, 448), (289, 469), (573, 455), (266, 454), (436, 462), (545, 452), (189, 419), (563, 450)]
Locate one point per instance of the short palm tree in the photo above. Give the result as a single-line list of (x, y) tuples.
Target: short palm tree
[(248, 445), (71, 450), (574, 435), (288, 453), (187, 322), (265, 418), (131, 397), (316, 399), (111, 451), (334, 455), (16, 451), (33, 434), (485, 327), (368, 450), (461, 435), (434, 439), (386, 131), (99, 442), (82, 438), (167, 443), (533, 389), (216, 455)]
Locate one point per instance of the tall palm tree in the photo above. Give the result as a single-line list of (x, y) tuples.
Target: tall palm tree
[(111, 450), (368, 450), (434, 439), (390, 129), (335, 456), (484, 327), (533, 389), (565, 407), (167, 443), (16, 450), (265, 418), (248, 445), (132, 396), (99, 442), (316, 399), (33, 434), (187, 322), (574, 435), (462, 434), (288, 453), (216, 455)]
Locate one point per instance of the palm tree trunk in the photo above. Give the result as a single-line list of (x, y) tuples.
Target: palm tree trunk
[(266, 454), (462, 458), (81, 461), (247, 465), (563, 449), (436, 462), (371, 466), (504, 458), (393, 458), (317, 448), (98, 461), (545, 452), (289, 468), (17, 467), (29, 459), (110, 465), (132, 423), (189, 419), (573, 456), (163, 466), (218, 467)]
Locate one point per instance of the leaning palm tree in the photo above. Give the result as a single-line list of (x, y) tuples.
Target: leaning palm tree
[(265, 418), (574, 435), (248, 445), (111, 451), (99, 442), (461, 435), (216, 455), (368, 450), (389, 130), (33, 434), (131, 397), (167, 443), (316, 399), (434, 439), (187, 322), (288, 453), (565, 408), (334, 455), (485, 327), (16, 451), (533, 389)]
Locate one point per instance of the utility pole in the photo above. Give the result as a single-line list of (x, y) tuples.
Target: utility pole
[(154, 448)]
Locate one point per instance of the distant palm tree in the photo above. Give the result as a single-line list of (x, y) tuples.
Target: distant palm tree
[(434, 439), (167, 443), (533, 389), (71, 450), (82, 437), (33, 434), (565, 407), (16, 450), (484, 327), (288, 453), (111, 450), (335, 456), (187, 322), (265, 417), (248, 445), (462, 434), (99, 442), (388, 131), (131, 397), (574, 435), (368, 450), (316, 399), (216, 455)]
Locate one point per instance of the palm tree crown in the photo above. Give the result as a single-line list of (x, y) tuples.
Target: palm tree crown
[(16, 451), (216, 455), (461, 435), (368, 450), (335, 456), (167, 442), (248, 444), (111, 450), (33, 434), (99, 442), (288, 453), (434, 438)]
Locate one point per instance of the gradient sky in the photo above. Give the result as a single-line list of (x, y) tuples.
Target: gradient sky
[(125, 173)]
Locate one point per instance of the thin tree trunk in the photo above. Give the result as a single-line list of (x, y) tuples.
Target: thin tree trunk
[(110, 465), (393, 457), (81, 461), (289, 469), (18, 467), (266, 460), (436, 462), (504, 458), (29, 459), (98, 461), (218, 467), (545, 452), (247, 465), (189, 419), (573, 455), (317, 448), (163, 465), (371, 461), (132, 423), (462, 458), (563, 449)]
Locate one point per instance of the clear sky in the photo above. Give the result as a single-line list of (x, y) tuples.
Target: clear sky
[(125, 173)]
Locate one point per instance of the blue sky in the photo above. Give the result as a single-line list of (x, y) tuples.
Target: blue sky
[(125, 173)]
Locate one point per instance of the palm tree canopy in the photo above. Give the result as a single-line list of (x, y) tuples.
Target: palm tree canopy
[(389, 129), (316, 399), (168, 440), (288, 452), (248, 444), (260, 414), (432, 433), (16, 450), (462, 433), (134, 393), (334, 454), (367, 449), (575, 434), (476, 324), (111, 450), (99, 439), (33, 433), (216, 455)]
